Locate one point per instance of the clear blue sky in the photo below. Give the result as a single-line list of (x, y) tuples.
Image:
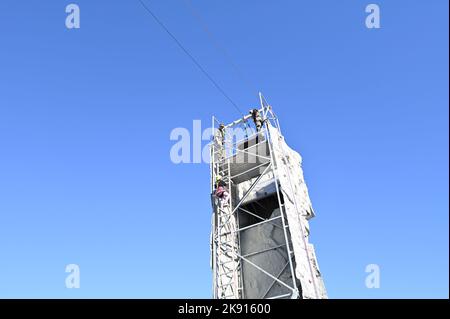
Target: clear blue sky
[(85, 118)]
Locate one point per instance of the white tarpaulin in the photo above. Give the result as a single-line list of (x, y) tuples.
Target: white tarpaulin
[(298, 211)]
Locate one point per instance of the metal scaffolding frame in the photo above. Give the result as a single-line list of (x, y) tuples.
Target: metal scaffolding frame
[(227, 258)]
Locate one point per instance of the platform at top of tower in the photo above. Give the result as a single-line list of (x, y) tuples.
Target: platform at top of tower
[(249, 160)]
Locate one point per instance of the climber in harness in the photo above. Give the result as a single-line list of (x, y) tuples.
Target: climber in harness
[(257, 119), (221, 191)]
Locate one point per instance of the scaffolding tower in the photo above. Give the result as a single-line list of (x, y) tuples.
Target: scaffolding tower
[(260, 231)]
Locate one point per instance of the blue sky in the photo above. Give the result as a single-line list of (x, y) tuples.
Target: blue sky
[(86, 114)]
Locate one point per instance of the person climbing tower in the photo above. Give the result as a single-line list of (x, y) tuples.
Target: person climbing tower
[(257, 119), (221, 191)]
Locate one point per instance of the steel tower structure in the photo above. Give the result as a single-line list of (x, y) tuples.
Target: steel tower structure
[(259, 238)]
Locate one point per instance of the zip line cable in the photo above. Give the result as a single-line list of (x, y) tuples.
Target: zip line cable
[(201, 21), (191, 57)]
